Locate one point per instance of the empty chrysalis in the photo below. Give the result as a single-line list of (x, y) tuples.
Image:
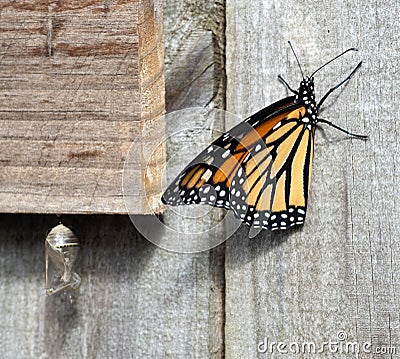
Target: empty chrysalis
[(62, 248)]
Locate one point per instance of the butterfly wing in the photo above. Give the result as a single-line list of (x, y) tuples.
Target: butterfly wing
[(275, 180), (252, 169), (211, 166)]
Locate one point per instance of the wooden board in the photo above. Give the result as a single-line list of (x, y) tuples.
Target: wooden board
[(195, 78), (340, 271), (79, 81)]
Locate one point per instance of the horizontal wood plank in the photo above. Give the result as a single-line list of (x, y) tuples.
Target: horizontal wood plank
[(79, 81)]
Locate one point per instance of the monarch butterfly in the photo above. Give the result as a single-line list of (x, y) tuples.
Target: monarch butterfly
[(261, 168)]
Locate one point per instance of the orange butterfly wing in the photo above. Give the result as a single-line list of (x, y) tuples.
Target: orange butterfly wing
[(260, 169)]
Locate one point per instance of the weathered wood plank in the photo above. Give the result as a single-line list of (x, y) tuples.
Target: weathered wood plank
[(78, 82), (135, 300), (338, 272), (195, 78)]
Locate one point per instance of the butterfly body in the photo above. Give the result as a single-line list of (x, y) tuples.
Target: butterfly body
[(261, 168)]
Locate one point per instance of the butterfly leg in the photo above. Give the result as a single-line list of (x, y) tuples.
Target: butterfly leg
[(337, 86), (363, 137), (280, 78)]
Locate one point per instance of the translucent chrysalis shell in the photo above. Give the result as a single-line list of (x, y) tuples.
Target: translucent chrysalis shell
[(62, 248)]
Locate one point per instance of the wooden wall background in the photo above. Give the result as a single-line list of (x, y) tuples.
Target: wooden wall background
[(339, 272)]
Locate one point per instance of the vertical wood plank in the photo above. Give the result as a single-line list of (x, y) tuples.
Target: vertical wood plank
[(339, 272), (195, 78)]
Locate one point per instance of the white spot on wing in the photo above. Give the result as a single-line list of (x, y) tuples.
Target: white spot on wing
[(277, 125), (207, 174), (226, 154)]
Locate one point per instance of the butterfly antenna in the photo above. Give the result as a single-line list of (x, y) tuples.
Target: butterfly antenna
[(297, 59), (344, 52)]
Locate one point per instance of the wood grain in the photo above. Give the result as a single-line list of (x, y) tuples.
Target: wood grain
[(79, 81), (339, 271), (195, 78)]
